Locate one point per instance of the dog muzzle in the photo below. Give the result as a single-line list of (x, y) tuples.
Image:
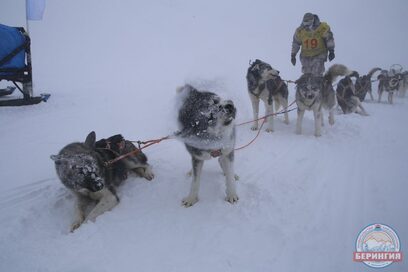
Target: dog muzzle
[(229, 112), (91, 180)]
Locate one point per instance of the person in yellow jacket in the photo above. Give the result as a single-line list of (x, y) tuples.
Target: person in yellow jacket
[(315, 41)]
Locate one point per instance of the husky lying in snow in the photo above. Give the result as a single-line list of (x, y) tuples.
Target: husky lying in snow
[(265, 83), (81, 168), (346, 96), (206, 126), (316, 92)]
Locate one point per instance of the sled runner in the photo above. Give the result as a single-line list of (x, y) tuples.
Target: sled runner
[(15, 66)]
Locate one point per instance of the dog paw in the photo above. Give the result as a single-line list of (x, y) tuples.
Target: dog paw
[(286, 122), (254, 128), (331, 122), (269, 130), (189, 201), (236, 177), (189, 173), (75, 225), (148, 174), (318, 134), (232, 198), (298, 131)]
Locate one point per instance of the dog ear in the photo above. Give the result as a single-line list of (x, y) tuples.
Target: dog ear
[(58, 159), (90, 140), (55, 157)]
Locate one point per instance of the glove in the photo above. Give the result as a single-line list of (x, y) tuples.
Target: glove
[(331, 55), (293, 59)]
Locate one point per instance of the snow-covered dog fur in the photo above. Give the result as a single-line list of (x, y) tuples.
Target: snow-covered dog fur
[(363, 85), (81, 168), (264, 83), (206, 126), (346, 95), (315, 93), (387, 83)]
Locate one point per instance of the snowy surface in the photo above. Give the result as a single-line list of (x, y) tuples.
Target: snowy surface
[(113, 67)]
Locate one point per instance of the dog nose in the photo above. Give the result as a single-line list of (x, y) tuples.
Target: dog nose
[(310, 96), (97, 186), (229, 108)]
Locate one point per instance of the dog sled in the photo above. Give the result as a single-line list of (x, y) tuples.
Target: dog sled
[(15, 66)]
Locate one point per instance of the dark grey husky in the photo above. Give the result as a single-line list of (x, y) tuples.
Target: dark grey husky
[(315, 93), (264, 83), (363, 85), (346, 94), (206, 126), (81, 168)]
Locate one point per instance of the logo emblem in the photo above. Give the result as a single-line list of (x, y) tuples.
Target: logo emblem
[(378, 246)]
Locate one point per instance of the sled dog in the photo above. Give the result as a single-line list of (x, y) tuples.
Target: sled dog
[(316, 92), (347, 99), (363, 85), (207, 128), (264, 83), (81, 168), (387, 82)]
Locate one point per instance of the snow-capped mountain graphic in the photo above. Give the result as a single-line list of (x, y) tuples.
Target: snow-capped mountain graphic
[(378, 245)]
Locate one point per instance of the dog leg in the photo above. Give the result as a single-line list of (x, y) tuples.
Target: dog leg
[(192, 198), (317, 118), (145, 172), (362, 110), (300, 114), (106, 203), (379, 95), (322, 118), (80, 206), (331, 116), (269, 119), (390, 97), (285, 107), (371, 95), (255, 109), (227, 163)]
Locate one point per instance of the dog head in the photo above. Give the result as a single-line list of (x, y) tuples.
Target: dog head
[(262, 69), (78, 166), (309, 87), (204, 116)]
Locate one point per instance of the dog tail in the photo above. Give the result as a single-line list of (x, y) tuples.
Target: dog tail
[(372, 71), (338, 70)]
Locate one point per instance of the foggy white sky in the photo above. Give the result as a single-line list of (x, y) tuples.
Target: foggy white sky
[(367, 33)]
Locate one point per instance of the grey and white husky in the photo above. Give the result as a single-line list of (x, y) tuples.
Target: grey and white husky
[(315, 93), (81, 168), (207, 128), (264, 83), (388, 82)]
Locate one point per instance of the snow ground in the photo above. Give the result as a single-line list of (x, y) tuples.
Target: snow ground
[(113, 67)]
